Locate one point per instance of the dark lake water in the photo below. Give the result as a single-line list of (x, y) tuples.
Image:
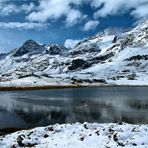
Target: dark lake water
[(27, 109)]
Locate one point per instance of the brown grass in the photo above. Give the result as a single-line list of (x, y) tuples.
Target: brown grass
[(12, 88)]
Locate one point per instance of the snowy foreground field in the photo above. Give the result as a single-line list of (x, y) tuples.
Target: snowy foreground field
[(80, 136)]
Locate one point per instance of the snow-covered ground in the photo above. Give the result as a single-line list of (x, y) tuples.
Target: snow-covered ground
[(78, 135)]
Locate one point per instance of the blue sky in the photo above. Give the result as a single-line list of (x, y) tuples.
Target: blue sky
[(64, 21)]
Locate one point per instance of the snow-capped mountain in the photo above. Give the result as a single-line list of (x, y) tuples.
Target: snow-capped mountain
[(102, 59), (30, 47)]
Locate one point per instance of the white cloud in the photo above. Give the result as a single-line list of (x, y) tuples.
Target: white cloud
[(111, 7), (69, 43), (96, 3), (72, 17), (20, 25), (55, 9), (50, 10), (7, 9), (92, 24), (140, 12), (10, 8), (27, 7)]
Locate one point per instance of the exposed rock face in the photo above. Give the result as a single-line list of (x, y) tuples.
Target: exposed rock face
[(55, 49), (104, 57), (84, 48), (138, 57), (78, 63), (127, 41)]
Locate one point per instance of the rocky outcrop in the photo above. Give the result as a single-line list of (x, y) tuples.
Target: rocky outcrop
[(84, 48), (78, 63), (56, 49)]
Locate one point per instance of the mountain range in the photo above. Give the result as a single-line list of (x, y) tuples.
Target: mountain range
[(108, 58)]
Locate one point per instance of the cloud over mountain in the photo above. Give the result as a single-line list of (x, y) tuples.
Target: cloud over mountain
[(92, 24), (70, 43)]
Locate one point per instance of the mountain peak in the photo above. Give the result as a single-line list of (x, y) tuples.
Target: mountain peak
[(29, 47), (30, 41)]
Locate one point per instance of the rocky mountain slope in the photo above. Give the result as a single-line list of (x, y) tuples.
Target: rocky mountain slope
[(114, 59)]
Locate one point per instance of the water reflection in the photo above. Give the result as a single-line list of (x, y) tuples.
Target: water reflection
[(27, 109)]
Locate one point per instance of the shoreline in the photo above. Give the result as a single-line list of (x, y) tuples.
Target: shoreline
[(68, 86)]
